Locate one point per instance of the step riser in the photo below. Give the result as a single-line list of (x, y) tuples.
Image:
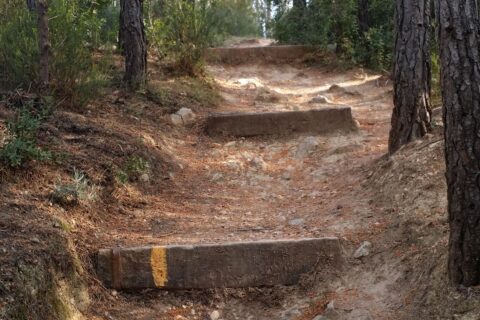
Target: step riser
[(318, 121), (274, 54), (235, 265)]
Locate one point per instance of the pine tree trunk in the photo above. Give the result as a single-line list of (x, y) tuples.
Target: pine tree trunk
[(301, 4), (133, 41), (363, 17), (459, 34), (43, 42), (411, 118), (268, 18), (121, 31)]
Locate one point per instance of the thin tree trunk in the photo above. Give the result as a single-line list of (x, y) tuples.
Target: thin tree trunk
[(459, 34), (411, 118), (268, 18), (363, 16), (301, 4), (134, 42), (121, 31), (43, 42)]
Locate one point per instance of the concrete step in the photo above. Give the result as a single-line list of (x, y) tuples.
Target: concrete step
[(319, 121), (232, 265), (273, 54)]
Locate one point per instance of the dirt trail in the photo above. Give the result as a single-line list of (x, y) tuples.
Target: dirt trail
[(275, 188)]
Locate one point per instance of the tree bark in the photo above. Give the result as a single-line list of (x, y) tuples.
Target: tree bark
[(459, 36), (41, 7), (268, 18), (363, 16), (32, 5), (121, 31), (411, 118), (301, 4), (133, 41)]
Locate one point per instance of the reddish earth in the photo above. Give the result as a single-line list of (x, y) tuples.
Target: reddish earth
[(273, 187), (204, 190)]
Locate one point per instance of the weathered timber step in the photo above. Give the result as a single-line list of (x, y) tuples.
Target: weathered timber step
[(232, 265), (320, 121), (273, 54)]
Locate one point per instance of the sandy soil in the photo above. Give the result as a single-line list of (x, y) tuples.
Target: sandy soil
[(278, 188), (245, 42), (204, 190)]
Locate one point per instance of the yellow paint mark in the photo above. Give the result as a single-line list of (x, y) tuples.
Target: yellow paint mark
[(158, 260)]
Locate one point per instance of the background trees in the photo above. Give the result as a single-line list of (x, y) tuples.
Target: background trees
[(80, 28), (356, 30), (360, 31)]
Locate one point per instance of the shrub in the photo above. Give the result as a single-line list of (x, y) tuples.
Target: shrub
[(75, 30), (20, 145), (18, 49), (133, 170), (73, 193), (334, 24), (186, 30)]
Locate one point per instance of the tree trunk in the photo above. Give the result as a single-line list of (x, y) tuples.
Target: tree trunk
[(133, 41), (268, 18), (363, 17), (41, 7), (121, 31), (301, 4), (459, 35), (411, 118)]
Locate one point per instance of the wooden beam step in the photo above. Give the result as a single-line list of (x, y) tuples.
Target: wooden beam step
[(231, 265), (319, 121)]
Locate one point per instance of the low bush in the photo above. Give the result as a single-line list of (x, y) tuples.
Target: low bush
[(133, 170), (75, 32), (187, 28), (184, 29), (79, 190), (20, 144)]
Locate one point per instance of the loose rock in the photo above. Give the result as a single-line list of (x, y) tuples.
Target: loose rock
[(320, 99), (307, 146), (215, 315), (259, 164), (187, 115), (287, 175), (183, 117), (297, 222), (363, 250), (176, 120), (145, 177), (234, 165), (216, 177)]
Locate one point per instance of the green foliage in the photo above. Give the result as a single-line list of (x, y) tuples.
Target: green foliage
[(137, 165), (73, 193), (21, 143), (187, 28), (334, 25), (375, 48), (75, 31), (133, 169), (239, 18), (18, 48)]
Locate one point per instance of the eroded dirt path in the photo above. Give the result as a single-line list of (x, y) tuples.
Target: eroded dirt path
[(274, 188)]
